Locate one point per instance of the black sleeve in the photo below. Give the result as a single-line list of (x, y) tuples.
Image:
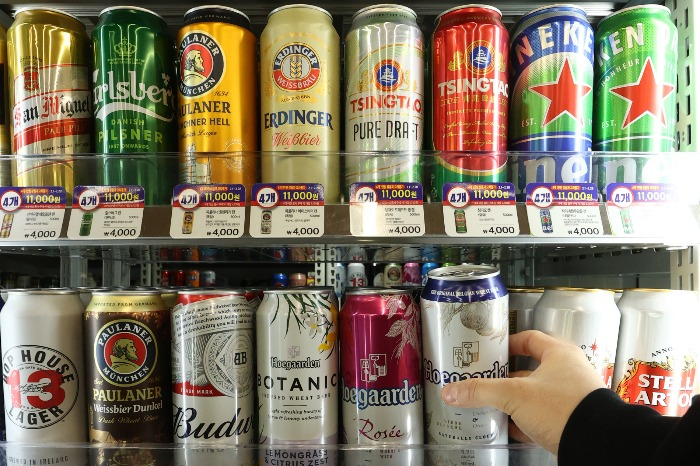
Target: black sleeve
[(604, 430)]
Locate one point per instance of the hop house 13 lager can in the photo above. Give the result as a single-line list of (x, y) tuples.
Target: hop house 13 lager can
[(382, 394), (465, 335), (657, 353)]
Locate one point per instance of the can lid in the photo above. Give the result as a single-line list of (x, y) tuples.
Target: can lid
[(43, 291), (552, 7), (473, 5), (300, 290), (41, 8), (223, 12), (299, 5), (384, 6), (125, 292), (582, 290), (137, 8), (656, 290), (375, 290), (461, 272), (637, 7), (525, 290)]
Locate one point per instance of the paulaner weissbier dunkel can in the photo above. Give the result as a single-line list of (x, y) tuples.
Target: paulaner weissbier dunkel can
[(134, 95), (384, 63), (658, 349), (48, 57), (297, 364), (43, 373), (217, 109), (465, 335), (300, 98)]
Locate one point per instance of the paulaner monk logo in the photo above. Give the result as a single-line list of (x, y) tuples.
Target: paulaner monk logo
[(201, 64), (125, 352)]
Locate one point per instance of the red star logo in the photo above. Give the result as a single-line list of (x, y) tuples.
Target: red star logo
[(594, 347), (564, 95), (647, 95)]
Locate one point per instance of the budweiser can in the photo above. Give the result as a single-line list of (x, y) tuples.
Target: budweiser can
[(382, 395), (300, 76), (585, 317), (465, 335), (521, 302), (297, 363), (657, 353), (43, 370)]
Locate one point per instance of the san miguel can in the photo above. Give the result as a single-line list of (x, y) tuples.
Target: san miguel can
[(5, 146), (657, 353), (384, 63), (465, 335), (134, 95), (470, 96), (586, 317), (128, 371), (300, 98), (43, 372), (218, 85), (48, 59)]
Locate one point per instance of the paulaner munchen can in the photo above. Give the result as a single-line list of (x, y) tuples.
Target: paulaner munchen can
[(48, 57), (300, 95), (657, 353), (43, 373), (5, 146), (585, 317), (521, 302), (384, 95), (134, 94), (218, 84), (465, 335)]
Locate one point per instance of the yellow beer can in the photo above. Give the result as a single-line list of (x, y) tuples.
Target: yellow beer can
[(5, 178)]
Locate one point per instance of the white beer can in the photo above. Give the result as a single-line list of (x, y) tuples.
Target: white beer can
[(356, 275), (521, 301), (657, 353)]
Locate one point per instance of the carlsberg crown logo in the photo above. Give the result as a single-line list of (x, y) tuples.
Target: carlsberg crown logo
[(124, 48)]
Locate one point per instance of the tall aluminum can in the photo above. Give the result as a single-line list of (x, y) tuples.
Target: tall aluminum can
[(297, 364), (380, 366), (521, 302), (465, 335), (134, 92), (48, 58), (218, 84), (213, 374), (43, 369), (586, 317), (5, 146), (127, 333), (300, 95), (658, 349), (470, 96), (384, 67), (356, 275)]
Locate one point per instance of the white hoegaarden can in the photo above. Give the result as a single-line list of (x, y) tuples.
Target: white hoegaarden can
[(521, 302)]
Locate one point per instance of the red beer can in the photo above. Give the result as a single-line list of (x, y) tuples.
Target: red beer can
[(164, 277), (178, 278)]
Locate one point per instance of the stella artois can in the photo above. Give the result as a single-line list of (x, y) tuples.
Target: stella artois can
[(43, 373), (300, 95), (657, 353), (465, 335), (218, 84), (521, 302), (586, 317)]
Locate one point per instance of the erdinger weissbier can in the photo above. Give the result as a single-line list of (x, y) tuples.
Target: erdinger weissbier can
[(43, 373), (521, 302), (465, 335), (657, 353), (585, 317)]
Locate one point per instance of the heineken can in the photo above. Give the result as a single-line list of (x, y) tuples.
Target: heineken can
[(134, 95), (218, 97), (300, 98), (384, 63), (5, 147)]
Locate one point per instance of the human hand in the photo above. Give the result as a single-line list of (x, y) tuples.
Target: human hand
[(539, 402)]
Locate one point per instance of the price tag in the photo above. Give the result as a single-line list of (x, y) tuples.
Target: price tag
[(106, 212), (563, 209), (287, 211), (32, 213), (208, 211), (648, 209), (386, 209), (480, 209)]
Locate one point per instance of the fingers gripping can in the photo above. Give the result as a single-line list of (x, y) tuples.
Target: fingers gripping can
[(464, 312)]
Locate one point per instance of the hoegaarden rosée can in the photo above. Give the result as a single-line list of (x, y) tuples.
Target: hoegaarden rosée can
[(218, 97), (134, 101), (384, 63)]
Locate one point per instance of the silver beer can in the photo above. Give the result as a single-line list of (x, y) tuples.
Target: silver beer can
[(586, 317), (357, 277), (657, 353), (464, 313), (297, 363), (521, 301)]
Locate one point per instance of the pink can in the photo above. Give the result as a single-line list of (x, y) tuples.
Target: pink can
[(411, 274)]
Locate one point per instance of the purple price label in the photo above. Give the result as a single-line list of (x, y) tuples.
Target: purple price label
[(623, 195), (543, 195), (387, 193), (122, 197), (268, 196), (459, 195), (34, 197), (190, 196)]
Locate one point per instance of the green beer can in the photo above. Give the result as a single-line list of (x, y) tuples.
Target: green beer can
[(134, 101)]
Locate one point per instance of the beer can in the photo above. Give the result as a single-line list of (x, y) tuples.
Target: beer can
[(392, 275), (178, 278), (465, 335), (134, 95), (384, 66), (657, 353), (193, 278), (356, 275), (187, 222), (207, 278), (7, 221), (411, 274), (336, 277), (48, 58), (297, 363), (390, 455), (218, 90), (300, 76), (279, 280), (165, 277), (356, 254), (586, 317), (311, 279), (424, 269), (521, 302), (382, 394), (5, 146), (297, 279)]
